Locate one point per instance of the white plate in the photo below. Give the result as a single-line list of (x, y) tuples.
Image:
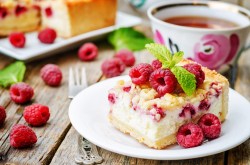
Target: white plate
[(34, 49), (88, 114)]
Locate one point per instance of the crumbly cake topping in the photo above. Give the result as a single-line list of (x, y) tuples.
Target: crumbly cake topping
[(146, 97)]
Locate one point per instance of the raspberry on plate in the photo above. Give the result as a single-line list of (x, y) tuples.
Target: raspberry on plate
[(140, 73), (22, 136), (2, 115), (163, 81), (17, 39), (126, 56), (51, 75), (47, 36), (197, 71), (190, 135), (21, 93), (156, 64), (210, 125), (36, 114), (88, 52), (113, 67)]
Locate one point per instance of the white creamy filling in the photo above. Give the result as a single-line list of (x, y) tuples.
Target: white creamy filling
[(154, 130)]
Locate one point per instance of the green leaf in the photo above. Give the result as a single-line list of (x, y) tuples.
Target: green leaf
[(177, 57), (161, 53), (128, 38), (185, 79), (12, 74)]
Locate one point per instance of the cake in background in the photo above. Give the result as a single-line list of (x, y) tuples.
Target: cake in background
[(72, 17), (18, 16)]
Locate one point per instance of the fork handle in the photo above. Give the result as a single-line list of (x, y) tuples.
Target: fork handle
[(88, 153)]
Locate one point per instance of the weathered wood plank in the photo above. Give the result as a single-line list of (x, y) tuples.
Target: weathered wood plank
[(241, 154), (51, 135)]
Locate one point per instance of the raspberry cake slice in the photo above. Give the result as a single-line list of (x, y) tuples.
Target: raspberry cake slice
[(18, 16), (72, 17), (152, 117)]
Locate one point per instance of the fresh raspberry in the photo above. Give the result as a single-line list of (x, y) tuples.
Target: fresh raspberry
[(2, 115), (3, 12), (22, 136), (88, 52), (126, 56), (197, 71), (210, 125), (190, 135), (21, 93), (51, 75), (47, 36), (113, 67), (36, 114), (140, 73), (20, 10), (163, 81), (17, 39), (156, 64), (48, 11)]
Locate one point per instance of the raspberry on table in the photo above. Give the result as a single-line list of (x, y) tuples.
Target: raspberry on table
[(51, 75), (197, 71), (156, 64), (22, 136), (47, 36), (126, 56), (140, 73), (2, 115), (113, 67), (17, 39), (210, 125), (189, 135), (36, 114), (21, 93), (163, 81), (88, 52)]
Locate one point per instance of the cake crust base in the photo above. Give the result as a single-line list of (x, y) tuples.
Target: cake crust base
[(159, 144)]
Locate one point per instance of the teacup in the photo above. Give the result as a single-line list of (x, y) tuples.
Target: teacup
[(214, 48)]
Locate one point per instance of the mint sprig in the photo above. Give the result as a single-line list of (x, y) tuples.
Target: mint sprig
[(12, 74), (186, 79), (128, 38)]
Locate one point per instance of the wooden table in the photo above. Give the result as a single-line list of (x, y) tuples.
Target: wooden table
[(57, 140)]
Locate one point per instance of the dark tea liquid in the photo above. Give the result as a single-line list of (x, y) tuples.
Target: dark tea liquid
[(201, 22)]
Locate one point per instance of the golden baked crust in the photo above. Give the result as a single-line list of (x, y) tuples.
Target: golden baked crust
[(25, 22), (79, 16)]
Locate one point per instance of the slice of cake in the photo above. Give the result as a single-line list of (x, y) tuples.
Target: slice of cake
[(73, 17), (153, 114), (18, 16)]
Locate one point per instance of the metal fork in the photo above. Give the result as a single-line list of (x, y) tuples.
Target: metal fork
[(87, 152)]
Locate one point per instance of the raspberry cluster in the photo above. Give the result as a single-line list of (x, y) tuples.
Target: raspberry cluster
[(162, 80), (116, 66), (36, 115), (192, 135), (46, 36)]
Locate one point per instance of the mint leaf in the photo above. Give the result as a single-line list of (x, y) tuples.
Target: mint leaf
[(185, 79), (161, 53), (177, 57), (128, 38), (13, 73)]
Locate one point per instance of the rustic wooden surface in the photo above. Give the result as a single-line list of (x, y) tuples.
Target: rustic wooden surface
[(57, 140)]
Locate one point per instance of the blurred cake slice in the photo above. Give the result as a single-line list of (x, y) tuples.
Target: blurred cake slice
[(18, 16), (154, 120), (73, 17)]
